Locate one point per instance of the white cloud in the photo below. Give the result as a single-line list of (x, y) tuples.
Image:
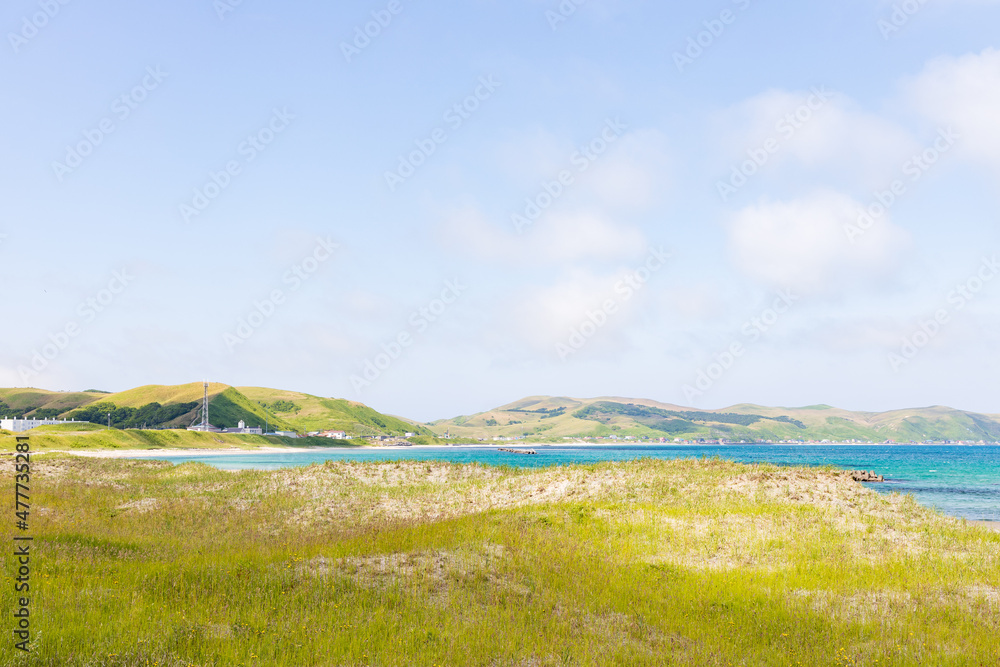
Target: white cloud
[(541, 316), (803, 244), (963, 92), (579, 235), (631, 173), (529, 156), (634, 173), (536, 319), (816, 128), (558, 237)]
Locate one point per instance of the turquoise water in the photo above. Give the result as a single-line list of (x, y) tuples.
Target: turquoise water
[(957, 480)]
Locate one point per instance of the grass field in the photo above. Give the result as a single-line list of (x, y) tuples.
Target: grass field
[(68, 437), (647, 563)]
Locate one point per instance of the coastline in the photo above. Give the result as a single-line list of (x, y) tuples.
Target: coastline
[(270, 449), (231, 451), (153, 453)]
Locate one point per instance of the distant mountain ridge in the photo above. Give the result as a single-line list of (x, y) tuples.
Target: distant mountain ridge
[(541, 417), (534, 417)]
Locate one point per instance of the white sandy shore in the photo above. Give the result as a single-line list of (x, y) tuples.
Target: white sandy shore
[(994, 525)]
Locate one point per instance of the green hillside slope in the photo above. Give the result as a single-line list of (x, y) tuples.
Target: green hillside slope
[(313, 413), (180, 406), (41, 403)]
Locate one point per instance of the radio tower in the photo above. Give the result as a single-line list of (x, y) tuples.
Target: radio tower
[(204, 409)]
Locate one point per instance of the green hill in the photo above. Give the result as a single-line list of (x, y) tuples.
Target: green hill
[(42, 404), (180, 406), (544, 417), (537, 417), (313, 413)]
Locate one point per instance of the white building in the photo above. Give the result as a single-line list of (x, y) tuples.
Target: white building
[(243, 430), (205, 429), (21, 425)]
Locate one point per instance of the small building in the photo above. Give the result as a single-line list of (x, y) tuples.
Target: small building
[(285, 434), (243, 430), (21, 425), (205, 428)]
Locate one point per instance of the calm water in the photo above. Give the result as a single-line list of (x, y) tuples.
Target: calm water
[(958, 480)]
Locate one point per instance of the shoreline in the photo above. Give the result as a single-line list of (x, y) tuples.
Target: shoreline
[(237, 451), (153, 453)]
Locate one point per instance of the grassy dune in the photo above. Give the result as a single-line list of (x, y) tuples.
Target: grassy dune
[(651, 563)]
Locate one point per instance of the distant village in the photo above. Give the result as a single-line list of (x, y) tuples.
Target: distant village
[(243, 429)]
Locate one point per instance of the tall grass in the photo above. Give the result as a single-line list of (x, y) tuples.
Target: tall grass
[(652, 563)]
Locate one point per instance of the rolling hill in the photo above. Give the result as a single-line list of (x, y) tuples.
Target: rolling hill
[(537, 417), (43, 403), (546, 417), (179, 406), (309, 413), (226, 405)]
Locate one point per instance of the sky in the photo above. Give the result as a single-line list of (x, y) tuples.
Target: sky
[(439, 208)]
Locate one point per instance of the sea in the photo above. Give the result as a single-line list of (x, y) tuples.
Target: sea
[(959, 480)]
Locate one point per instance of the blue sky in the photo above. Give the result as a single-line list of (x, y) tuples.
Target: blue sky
[(487, 200)]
